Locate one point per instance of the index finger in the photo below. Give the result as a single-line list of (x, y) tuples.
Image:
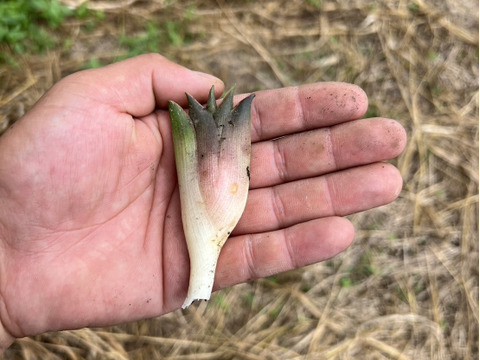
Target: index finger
[(139, 84), (290, 110)]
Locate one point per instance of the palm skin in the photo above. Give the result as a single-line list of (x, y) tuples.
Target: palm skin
[(90, 228)]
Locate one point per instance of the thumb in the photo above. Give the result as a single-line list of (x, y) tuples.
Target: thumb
[(139, 85)]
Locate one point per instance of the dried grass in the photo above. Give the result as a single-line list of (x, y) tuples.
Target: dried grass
[(408, 287)]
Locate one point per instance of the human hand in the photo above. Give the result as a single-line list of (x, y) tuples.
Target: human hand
[(90, 227)]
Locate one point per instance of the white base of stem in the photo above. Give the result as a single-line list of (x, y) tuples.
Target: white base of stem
[(202, 276)]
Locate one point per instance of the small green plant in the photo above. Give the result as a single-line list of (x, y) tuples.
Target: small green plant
[(156, 37), (93, 63), (274, 312), (372, 111), (149, 41), (361, 270), (249, 298), (27, 26), (413, 7), (316, 3), (221, 303), (346, 282), (432, 55), (174, 33)]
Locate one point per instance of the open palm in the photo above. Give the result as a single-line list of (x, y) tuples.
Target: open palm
[(90, 227)]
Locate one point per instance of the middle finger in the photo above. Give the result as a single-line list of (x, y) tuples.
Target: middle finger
[(336, 194)]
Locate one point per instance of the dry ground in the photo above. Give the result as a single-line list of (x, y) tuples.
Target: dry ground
[(408, 287)]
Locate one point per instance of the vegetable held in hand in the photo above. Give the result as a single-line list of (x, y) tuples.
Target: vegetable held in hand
[(212, 153)]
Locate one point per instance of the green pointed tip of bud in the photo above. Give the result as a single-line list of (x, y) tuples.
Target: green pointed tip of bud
[(222, 114), (183, 134), (181, 123), (196, 111), (242, 110), (212, 102)]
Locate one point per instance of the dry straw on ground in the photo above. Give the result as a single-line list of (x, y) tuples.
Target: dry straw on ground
[(408, 287)]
